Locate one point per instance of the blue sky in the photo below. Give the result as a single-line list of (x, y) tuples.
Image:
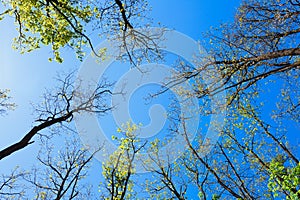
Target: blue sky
[(28, 75)]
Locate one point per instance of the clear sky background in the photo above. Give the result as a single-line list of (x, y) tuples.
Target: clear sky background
[(28, 75)]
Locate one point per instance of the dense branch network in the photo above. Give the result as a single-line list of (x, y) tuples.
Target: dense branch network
[(252, 158), (59, 107), (64, 172)]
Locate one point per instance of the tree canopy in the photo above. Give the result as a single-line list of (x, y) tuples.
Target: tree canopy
[(59, 23), (257, 55)]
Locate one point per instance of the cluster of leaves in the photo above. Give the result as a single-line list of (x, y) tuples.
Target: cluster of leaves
[(56, 23), (283, 178), (60, 23), (119, 168)]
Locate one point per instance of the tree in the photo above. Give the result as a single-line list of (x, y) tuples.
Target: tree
[(260, 43), (61, 176), (57, 176), (60, 23), (166, 180), (59, 107), (119, 168)]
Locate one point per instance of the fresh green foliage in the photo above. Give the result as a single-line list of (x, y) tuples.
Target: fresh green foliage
[(55, 23), (256, 55), (119, 168), (284, 178), (62, 23)]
